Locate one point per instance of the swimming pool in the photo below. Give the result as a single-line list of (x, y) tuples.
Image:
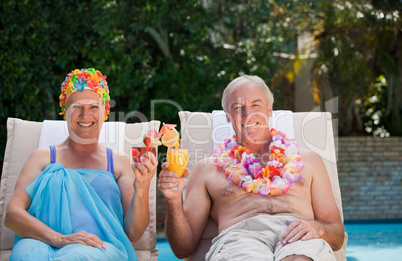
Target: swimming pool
[(366, 242), (165, 252)]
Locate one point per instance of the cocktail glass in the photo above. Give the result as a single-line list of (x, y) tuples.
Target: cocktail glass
[(177, 160), (138, 152)]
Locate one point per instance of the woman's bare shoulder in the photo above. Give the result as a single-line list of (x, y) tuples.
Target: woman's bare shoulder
[(40, 155), (37, 161)]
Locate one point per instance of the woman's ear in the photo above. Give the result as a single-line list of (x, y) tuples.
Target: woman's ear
[(102, 113)]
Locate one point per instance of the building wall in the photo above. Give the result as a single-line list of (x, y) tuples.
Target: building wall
[(370, 177)]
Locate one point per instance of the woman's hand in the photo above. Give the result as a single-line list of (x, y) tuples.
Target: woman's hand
[(82, 237), (144, 170)]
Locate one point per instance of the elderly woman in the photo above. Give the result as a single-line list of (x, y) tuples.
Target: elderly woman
[(79, 200)]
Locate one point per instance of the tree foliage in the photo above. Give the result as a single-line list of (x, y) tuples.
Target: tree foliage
[(163, 56), (357, 43)]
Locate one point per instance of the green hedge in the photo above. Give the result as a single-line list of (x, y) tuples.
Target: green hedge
[(184, 52)]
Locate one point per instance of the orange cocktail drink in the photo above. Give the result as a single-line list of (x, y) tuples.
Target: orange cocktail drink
[(177, 160), (176, 157)]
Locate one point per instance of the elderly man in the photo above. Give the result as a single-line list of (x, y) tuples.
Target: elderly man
[(270, 200)]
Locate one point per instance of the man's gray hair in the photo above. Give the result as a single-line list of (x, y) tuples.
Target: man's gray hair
[(233, 85)]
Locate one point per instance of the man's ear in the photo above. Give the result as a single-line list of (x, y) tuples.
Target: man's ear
[(227, 117), (270, 110)]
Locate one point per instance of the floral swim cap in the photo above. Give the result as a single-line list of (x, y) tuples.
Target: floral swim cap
[(79, 80)]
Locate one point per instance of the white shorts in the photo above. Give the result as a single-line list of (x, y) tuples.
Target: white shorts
[(259, 238)]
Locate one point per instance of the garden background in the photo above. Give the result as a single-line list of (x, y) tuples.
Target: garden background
[(185, 53)]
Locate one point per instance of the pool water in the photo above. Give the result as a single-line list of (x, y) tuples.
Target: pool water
[(366, 242), (165, 252)]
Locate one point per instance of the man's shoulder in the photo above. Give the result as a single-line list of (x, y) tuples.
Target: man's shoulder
[(207, 162), (205, 167), (308, 155), (311, 161)]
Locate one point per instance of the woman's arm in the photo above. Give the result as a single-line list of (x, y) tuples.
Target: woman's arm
[(134, 182), (17, 217), (27, 226)]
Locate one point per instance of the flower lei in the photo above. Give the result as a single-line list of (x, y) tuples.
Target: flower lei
[(79, 80), (242, 168)]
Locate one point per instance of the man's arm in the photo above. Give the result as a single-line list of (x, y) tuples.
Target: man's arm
[(185, 223), (327, 222)]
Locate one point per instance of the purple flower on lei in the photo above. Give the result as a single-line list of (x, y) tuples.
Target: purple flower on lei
[(249, 163), (255, 169), (290, 178), (291, 148), (247, 180), (229, 143), (265, 189)]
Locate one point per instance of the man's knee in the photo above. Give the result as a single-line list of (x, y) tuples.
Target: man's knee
[(296, 258)]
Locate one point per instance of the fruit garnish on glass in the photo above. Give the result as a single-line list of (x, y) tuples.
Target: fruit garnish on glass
[(176, 157), (151, 141)]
